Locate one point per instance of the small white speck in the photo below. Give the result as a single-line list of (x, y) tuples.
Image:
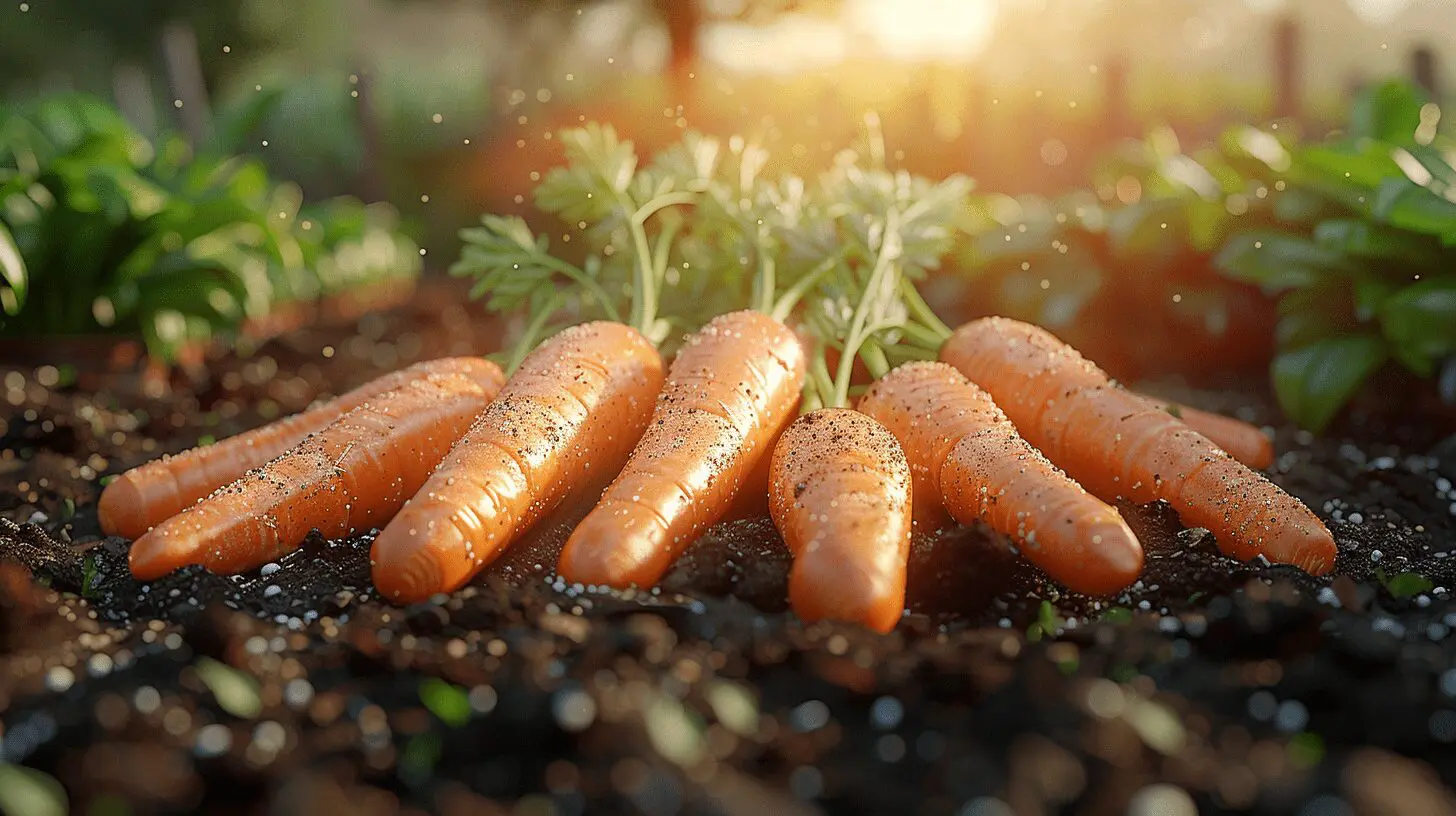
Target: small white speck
[(59, 679)]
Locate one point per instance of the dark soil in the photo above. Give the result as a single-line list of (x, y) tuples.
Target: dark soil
[(1210, 686)]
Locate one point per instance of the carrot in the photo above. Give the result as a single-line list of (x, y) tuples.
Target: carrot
[(1118, 445), (840, 496), (575, 407), (147, 495), (963, 451), (729, 391), (1243, 441), (351, 476)]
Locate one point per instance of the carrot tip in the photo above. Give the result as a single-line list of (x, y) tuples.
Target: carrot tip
[(121, 509), (151, 558), (405, 574), (825, 585)]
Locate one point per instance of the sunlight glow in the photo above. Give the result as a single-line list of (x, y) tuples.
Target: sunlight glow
[(792, 44), (925, 29)]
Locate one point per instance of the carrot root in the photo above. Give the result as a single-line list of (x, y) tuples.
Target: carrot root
[(841, 497), (349, 477), (964, 452), (574, 409), (1120, 445), (1242, 441), (149, 494), (728, 393)]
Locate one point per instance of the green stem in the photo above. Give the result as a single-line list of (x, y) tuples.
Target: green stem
[(874, 356), (905, 352), (884, 266), (582, 279), (791, 297), (820, 383), (922, 312), (765, 282), (644, 295), (928, 340), (531, 335)]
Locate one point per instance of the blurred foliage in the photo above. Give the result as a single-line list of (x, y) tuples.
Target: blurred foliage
[(1353, 237), (102, 231)]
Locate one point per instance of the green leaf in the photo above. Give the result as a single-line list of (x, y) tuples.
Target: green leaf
[(1347, 173), (235, 124), (1365, 239), (447, 701), (1314, 382), (1389, 112), (1370, 295), (12, 272), (1278, 261), (236, 692), (1420, 323), (1303, 205), (1408, 585), (1405, 204), (88, 575)]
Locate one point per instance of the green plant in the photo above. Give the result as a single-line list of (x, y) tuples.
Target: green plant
[(1353, 238), (1362, 259), (100, 231)]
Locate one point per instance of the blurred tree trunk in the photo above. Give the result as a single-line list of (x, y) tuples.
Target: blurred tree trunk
[(132, 88), (684, 20), (184, 75)]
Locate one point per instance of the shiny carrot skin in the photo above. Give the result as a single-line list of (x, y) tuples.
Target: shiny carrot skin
[(149, 494), (963, 451), (840, 496), (1119, 445), (574, 409), (349, 477), (1243, 441), (730, 390)]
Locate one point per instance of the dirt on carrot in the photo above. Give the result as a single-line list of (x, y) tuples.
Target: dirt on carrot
[(147, 495), (348, 477), (567, 418), (840, 497), (965, 452), (729, 392), (1242, 441), (1118, 445)]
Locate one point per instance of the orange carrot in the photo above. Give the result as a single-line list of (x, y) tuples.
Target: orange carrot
[(1243, 441), (840, 496), (1118, 445), (147, 495), (574, 408), (351, 476), (963, 451), (730, 390)]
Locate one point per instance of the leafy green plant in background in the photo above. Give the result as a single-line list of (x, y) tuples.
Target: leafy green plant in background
[(1353, 237), (103, 232), (1362, 259)]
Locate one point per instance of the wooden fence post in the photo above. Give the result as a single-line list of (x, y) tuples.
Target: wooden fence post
[(371, 175), (1115, 113), (132, 89), (1286, 69), (184, 76), (1423, 71)]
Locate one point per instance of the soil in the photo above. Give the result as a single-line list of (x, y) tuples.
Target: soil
[(1209, 686)]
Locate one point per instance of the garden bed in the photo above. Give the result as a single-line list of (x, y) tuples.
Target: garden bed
[(1248, 688)]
